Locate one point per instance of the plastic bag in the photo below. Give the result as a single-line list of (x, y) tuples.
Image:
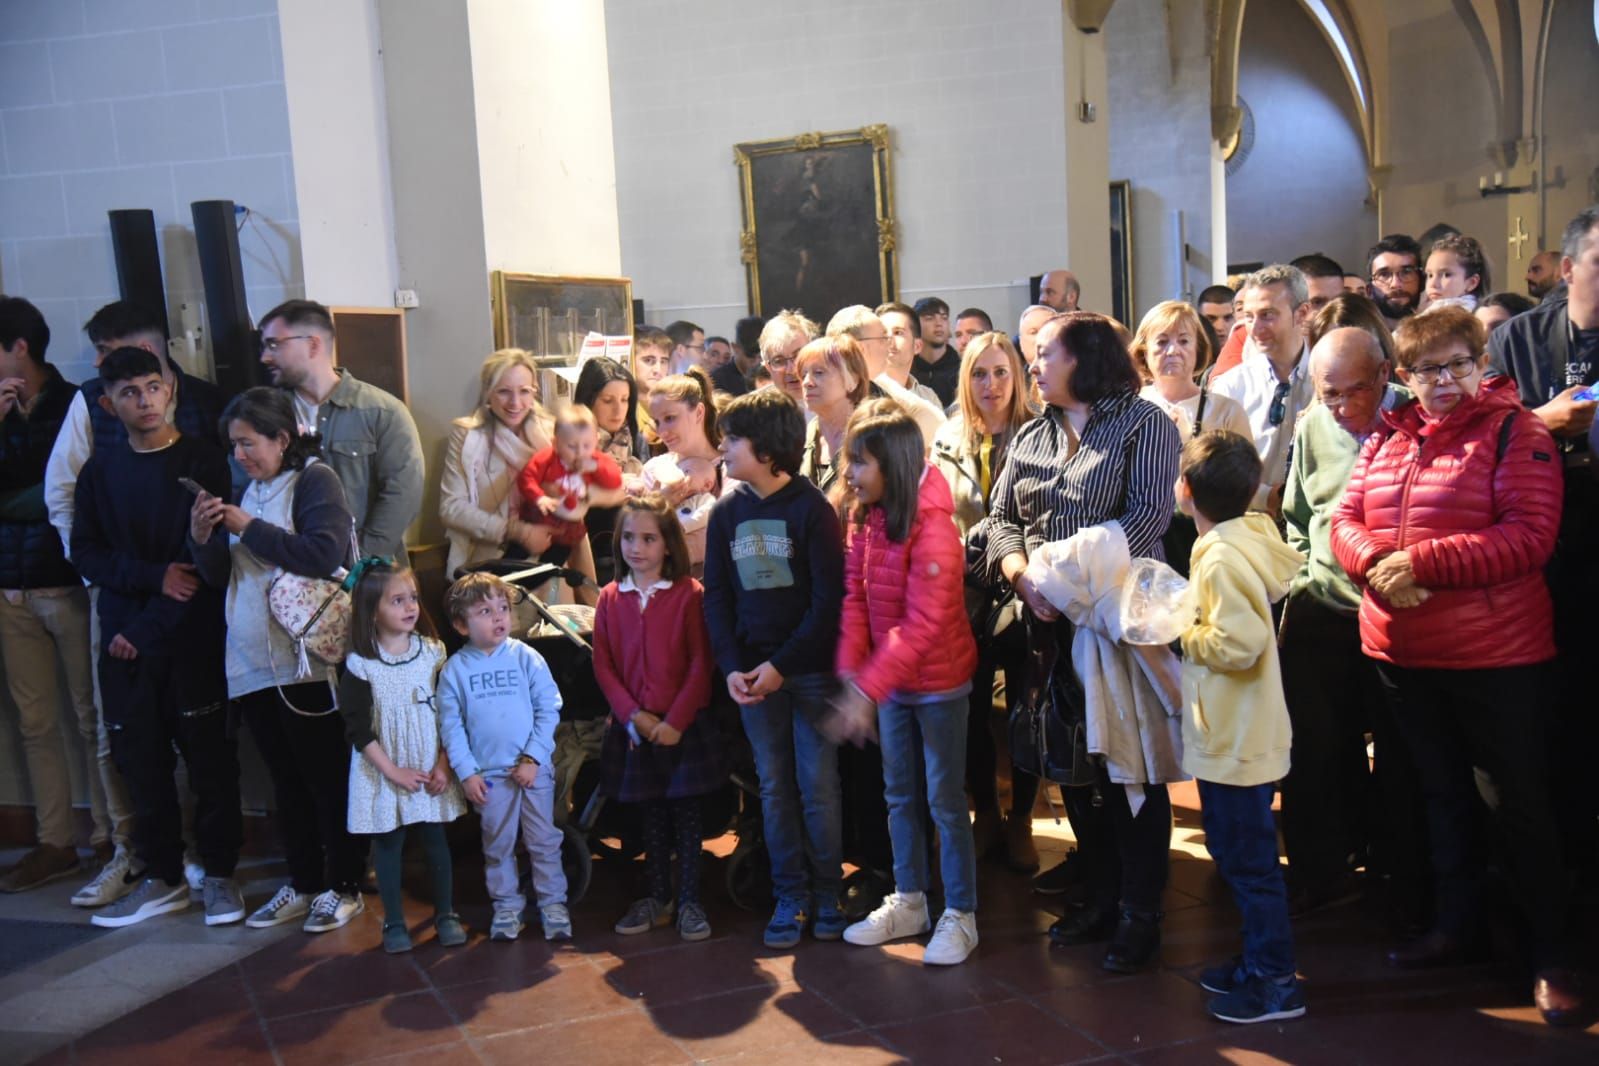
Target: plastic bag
[(1156, 605)]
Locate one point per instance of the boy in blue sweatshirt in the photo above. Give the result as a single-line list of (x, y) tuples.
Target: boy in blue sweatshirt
[(774, 587), (498, 708)]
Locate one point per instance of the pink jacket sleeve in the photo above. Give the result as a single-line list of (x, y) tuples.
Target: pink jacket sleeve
[(935, 599), (1528, 490), (694, 692), (606, 673), (854, 628), (1353, 544)]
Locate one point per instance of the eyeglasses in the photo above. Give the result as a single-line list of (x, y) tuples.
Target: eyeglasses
[(869, 340), (779, 363), (1432, 373), (1338, 399), (272, 344), (1279, 404), (1388, 277)]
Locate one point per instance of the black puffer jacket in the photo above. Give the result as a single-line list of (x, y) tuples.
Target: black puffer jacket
[(30, 551)]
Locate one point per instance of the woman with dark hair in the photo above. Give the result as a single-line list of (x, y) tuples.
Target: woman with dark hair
[(291, 518), (607, 388), (1097, 454)]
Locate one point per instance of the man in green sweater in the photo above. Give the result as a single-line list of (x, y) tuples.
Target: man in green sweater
[(1330, 797)]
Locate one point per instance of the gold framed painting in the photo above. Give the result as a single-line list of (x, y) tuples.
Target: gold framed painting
[(550, 314), (818, 221)]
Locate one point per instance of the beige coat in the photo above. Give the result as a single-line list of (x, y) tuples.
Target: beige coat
[(477, 490)]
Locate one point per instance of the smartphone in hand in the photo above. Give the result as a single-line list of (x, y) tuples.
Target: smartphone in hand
[(193, 486)]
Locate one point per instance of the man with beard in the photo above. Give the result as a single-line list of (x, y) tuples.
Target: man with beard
[(367, 435), (1395, 268), (1543, 274)]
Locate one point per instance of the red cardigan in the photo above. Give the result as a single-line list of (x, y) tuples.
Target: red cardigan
[(657, 659), (904, 627), (1479, 529)]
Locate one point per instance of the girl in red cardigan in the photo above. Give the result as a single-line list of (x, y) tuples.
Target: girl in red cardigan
[(905, 647), (652, 659)]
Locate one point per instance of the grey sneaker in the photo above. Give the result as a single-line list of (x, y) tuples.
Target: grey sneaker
[(557, 922), (286, 905), (224, 903), (114, 881), (152, 897), (645, 914), (507, 925), (194, 874), (691, 922), (331, 910)]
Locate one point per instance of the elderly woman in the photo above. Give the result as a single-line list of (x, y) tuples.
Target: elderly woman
[(488, 449), (291, 518), (991, 405), (781, 340), (1098, 454), (833, 381), (1172, 348), (1446, 525)]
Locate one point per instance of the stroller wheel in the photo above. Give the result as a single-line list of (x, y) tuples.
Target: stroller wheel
[(576, 862), (749, 877)]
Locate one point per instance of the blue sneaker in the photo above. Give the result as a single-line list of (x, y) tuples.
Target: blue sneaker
[(829, 921), (1223, 978), (1259, 1000), (788, 922)]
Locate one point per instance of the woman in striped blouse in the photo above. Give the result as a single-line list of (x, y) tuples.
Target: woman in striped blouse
[(1097, 454)]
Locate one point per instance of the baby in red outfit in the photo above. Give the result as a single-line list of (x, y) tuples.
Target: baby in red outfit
[(555, 483)]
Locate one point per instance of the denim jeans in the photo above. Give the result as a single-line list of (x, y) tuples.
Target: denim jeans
[(798, 768), (940, 729), (1242, 838)]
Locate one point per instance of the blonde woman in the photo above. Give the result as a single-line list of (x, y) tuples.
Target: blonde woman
[(992, 403)]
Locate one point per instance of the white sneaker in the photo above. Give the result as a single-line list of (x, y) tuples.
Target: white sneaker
[(148, 899), (901, 914), (286, 905), (110, 884), (194, 874), (953, 940), (331, 910)]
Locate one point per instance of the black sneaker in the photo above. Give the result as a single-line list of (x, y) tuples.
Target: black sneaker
[(1224, 978), (1060, 878), (1259, 1000)]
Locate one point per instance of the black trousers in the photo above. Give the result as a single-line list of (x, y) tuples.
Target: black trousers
[(309, 761), (1336, 803), (1455, 720), (1573, 725), (148, 731), (1126, 858)]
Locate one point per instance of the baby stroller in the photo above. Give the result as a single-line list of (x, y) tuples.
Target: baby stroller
[(559, 634)]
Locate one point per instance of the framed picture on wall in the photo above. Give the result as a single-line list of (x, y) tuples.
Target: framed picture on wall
[(371, 343), (550, 314), (818, 221), (1121, 252)]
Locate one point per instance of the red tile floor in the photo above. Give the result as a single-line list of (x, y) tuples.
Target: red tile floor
[(652, 999)]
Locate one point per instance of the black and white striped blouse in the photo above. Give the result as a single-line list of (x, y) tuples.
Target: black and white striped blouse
[(1124, 470)]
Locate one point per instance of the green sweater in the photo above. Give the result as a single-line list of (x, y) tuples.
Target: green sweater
[(1324, 459)]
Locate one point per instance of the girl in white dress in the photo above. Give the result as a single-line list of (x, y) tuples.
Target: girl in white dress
[(399, 775)]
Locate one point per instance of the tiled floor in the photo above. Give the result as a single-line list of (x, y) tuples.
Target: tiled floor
[(651, 999)]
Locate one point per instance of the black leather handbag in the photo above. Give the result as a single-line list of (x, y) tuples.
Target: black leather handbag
[(1049, 724)]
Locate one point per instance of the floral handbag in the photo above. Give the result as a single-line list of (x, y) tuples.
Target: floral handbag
[(315, 613)]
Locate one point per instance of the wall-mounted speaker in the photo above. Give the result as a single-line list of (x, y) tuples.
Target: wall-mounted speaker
[(235, 352), (139, 261)]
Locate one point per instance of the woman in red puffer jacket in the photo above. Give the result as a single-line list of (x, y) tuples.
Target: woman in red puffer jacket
[(1447, 522), (906, 647)]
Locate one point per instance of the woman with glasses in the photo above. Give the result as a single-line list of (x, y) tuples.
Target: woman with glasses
[(1446, 524), (291, 518), (1097, 454)]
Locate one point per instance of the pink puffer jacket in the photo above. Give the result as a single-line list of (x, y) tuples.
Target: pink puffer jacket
[(904, 626), (1478, 527)]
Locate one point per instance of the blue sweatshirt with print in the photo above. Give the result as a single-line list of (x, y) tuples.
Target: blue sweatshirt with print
[(497, 705)]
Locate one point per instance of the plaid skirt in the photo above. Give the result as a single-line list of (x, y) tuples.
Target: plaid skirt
[(694, 766)]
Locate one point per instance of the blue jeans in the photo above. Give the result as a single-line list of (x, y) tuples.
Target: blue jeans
[(798, 768), (1242, 838), (940, 728)]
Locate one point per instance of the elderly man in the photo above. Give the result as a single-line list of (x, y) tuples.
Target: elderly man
[(1271, 383), (781, 340), (1334, 695), (1058, 289), (871, 333), (1027, 328)]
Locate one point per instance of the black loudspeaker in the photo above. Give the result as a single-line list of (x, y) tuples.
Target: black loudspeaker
[(234, 350), (139, 261)]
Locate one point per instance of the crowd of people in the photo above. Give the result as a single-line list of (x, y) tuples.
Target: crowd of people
[(1380, 486)]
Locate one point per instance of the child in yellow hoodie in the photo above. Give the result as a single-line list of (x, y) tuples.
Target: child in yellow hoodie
[(1235, 721)]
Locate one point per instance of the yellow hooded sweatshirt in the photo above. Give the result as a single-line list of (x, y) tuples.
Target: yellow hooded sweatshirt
[(1235, 720)]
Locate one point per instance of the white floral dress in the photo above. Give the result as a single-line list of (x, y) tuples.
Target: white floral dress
[(407, 725)]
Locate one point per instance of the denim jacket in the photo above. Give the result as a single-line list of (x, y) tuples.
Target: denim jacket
[(371, 442)]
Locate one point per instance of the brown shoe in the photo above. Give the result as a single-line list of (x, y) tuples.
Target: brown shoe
[(43, 864), (1020, 853), (1558, 995)]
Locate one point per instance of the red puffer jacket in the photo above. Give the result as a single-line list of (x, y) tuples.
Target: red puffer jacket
[(904, 626), (1479, 529)]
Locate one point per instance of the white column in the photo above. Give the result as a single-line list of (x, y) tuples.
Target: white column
[(1087, 167)]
